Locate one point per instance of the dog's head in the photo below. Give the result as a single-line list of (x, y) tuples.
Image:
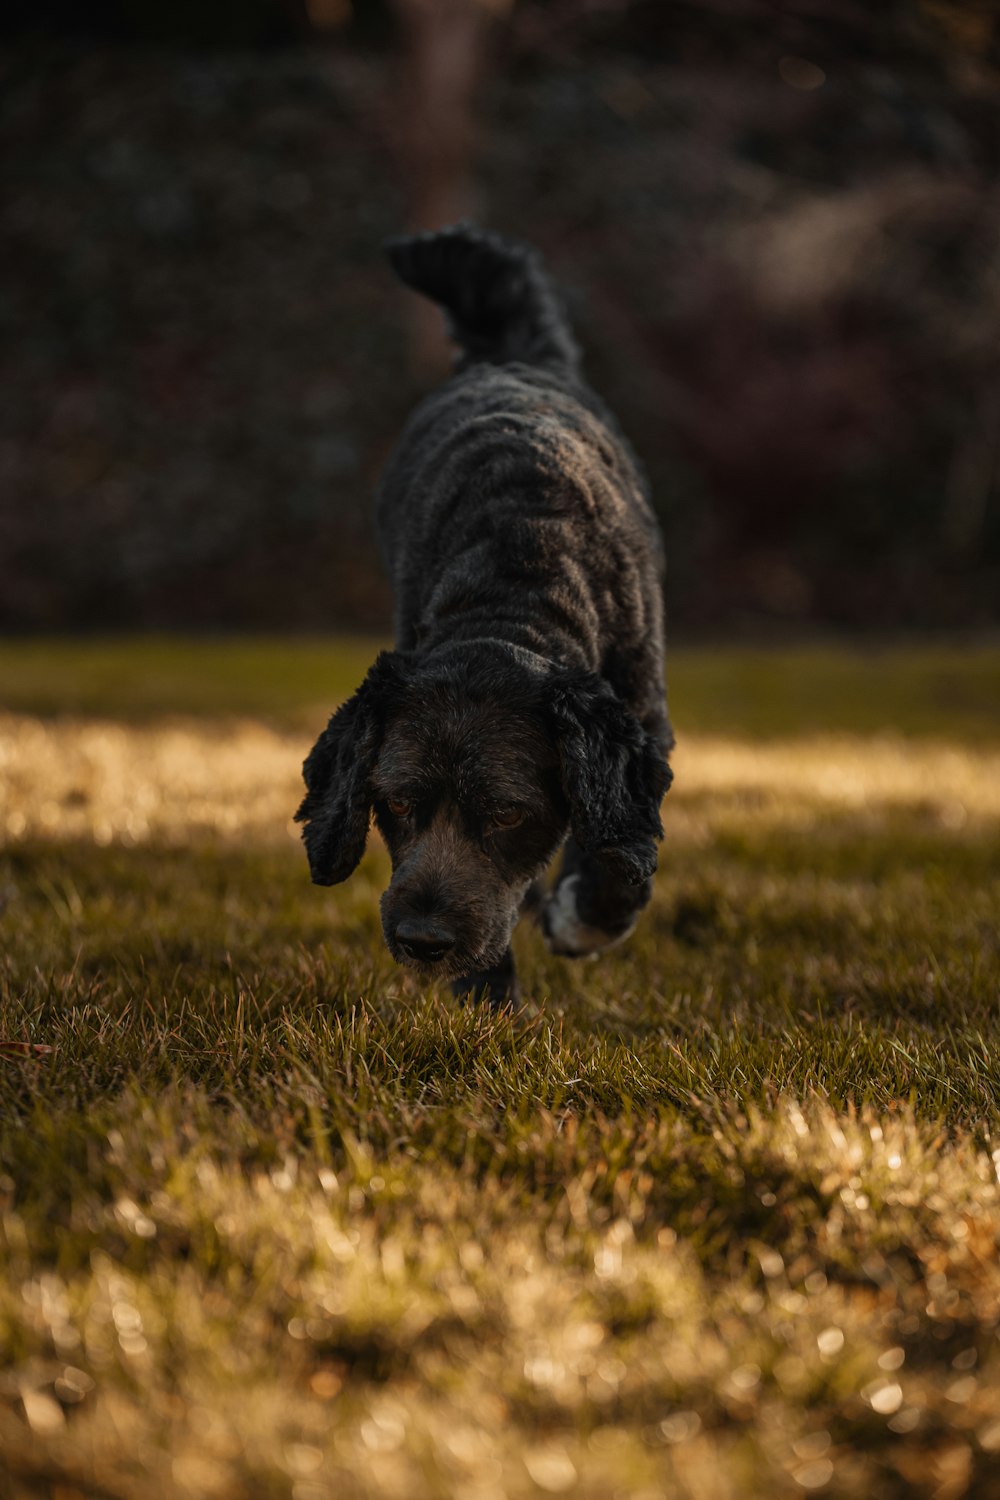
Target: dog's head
[(475, 766)]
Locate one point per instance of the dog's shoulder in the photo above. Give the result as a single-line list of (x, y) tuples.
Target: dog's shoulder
[(488, 412)]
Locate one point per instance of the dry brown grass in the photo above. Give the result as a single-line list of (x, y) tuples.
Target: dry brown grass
[(182, 779), (718, 1218)]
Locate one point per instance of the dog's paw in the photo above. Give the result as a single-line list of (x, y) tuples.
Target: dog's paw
[(567, 934)]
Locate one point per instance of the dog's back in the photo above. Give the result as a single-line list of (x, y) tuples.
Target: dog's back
[(512, 507)]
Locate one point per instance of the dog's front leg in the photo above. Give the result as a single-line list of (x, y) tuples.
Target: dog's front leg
[(497, 985), (590, 908)]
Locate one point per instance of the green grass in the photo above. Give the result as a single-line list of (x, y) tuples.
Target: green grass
[(949, 691), (716, 1215), (141, 678)]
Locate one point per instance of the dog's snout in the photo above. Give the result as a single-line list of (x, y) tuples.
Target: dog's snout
[(426, 942)]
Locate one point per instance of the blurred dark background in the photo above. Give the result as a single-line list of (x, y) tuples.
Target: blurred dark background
[(778, 227)]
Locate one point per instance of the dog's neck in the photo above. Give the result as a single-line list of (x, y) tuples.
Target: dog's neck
[(481, 647), (465, 643)]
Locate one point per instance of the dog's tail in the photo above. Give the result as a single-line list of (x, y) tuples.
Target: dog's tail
[(497, 297)]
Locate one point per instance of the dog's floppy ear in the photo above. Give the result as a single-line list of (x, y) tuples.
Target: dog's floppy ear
[(614, 774), (337, 806)]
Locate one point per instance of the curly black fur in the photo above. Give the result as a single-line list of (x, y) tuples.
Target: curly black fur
[(336, 809), (613, 773), (525, 701), (499, 302)]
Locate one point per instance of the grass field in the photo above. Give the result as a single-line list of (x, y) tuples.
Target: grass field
[(715, 1216)]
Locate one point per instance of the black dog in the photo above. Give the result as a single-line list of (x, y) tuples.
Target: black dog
[(525, 698)]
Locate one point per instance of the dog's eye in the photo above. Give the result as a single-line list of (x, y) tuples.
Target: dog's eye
[(399, 807), (507, 817)]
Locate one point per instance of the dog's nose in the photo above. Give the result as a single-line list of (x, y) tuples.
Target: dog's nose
[(425, 941)]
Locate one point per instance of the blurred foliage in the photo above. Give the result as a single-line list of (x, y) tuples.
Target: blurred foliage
[(778, 228)]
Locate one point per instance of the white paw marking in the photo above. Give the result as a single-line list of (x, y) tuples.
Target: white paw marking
[(566, 934)]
